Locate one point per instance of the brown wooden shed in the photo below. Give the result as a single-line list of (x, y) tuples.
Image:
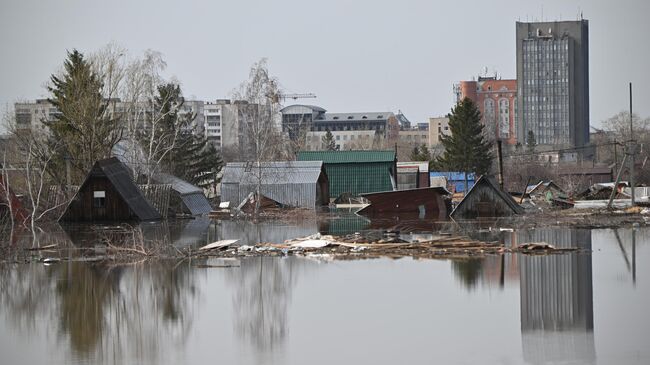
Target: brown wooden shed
[(486, 200), (109, 194)]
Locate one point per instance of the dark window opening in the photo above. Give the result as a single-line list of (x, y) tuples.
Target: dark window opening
[(99, 199)]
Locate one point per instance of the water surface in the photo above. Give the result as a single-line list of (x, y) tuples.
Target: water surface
[(579, 308)]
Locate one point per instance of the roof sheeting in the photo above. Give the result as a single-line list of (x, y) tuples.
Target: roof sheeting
[(191, 195), (179, 185), (469, 202), (332, 157), (196, 203), (120, 177)]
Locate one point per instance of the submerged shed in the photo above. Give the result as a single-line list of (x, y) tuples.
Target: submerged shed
[(109, 194), (292, 183), (187, 198), (486, 199), (423, 203), (411, 175), (356, 172)]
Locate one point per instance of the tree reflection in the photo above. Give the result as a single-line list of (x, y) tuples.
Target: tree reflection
[(261, 299), (468, 271), (106, 311)]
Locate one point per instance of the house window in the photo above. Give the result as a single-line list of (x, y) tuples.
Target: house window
[(99, 199)]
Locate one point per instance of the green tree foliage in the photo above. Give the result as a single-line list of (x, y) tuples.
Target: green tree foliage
[(531, 143), (84, 125), (328, 141), (197, 161), (466, 149), (174, 146), (420, 153)]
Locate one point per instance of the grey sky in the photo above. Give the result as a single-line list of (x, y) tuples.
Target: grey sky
[(366, 55)]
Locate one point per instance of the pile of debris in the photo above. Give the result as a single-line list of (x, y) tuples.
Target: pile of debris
[(357, 246)]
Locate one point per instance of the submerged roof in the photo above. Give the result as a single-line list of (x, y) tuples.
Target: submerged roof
[(120, 177), (485, 180), (191, 195), (332, 157), (282, 172), (179, 185)]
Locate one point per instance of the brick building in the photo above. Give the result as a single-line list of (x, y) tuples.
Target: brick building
[(497, 101)]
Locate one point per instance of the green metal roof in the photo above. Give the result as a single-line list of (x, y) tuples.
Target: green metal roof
[(330, 157)]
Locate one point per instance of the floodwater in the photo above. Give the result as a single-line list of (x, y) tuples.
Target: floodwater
[(578, 308)]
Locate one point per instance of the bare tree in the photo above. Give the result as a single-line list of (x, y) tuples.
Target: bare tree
[(260, 139)]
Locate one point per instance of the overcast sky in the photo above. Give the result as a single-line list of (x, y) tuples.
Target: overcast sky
[(366, 55)]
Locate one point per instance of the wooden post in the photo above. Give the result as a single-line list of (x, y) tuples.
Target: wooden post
[(500, 161)]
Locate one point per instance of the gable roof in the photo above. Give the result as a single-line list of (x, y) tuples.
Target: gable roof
[(332, 157), (120, 177), (507, 198)]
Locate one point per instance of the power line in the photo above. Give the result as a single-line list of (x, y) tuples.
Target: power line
[(572, 149)]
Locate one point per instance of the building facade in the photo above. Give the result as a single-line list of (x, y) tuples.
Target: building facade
[(497, 101), (553, 88), (310, 124), (438, 127)]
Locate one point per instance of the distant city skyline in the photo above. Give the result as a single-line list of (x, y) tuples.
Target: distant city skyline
[(355, 56)]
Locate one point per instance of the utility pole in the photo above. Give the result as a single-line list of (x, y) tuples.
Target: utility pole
[(632, 150), (500, 162)]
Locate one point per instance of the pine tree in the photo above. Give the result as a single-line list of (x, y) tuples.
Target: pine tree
[(328, 141), (197, 161), (531, 143), (466, 149), (420, 153), (83, 126)]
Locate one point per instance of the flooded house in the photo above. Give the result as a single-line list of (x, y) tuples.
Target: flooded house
[(109, 194), (486, 199), (356, 172), (185, 198), (415, 203), (412, 175), (301, 184)]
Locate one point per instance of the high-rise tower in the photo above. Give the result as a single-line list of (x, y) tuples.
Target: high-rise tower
[(553, 82)]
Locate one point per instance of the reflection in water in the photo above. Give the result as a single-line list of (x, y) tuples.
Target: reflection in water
[(106, 313), (556, 299), (250, 233), (261, 296)]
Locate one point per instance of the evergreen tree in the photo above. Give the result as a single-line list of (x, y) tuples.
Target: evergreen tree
[(328, 141), (421, 153), (531, 143), (466, 149), (83, 126), (197, 161)]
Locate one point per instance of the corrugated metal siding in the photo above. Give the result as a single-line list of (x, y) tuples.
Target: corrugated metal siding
[(295, 195), (291, 183), (359, 178), (179, 185), (196, 203)]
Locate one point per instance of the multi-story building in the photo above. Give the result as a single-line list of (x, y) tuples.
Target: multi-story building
[(350, 130), (553, 82), (438, 127), (497, 101), (33, 115)]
